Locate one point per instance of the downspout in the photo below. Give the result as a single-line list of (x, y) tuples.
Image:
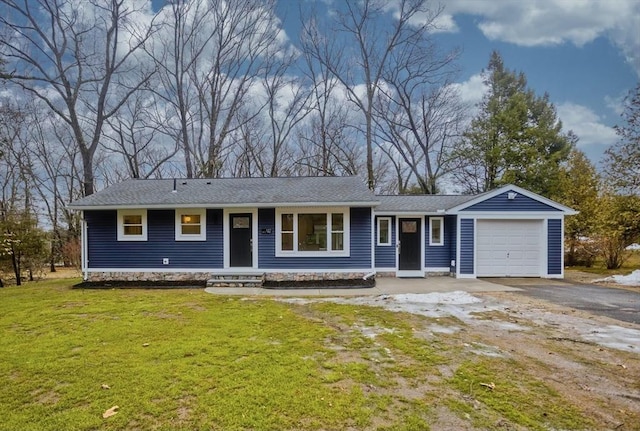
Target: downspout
[(84, 248)]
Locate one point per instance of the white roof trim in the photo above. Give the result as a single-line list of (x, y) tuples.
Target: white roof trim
[(493, 193)]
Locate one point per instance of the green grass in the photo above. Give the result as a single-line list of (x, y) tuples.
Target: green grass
[(185, 359), (211, 362), (517, 396)]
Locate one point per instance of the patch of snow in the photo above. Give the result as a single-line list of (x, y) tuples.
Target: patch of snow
[(372, 331), (438, 329), (616, 337), (486, 350), (457, 297), (632, 279), (634, 246), (467, 307)]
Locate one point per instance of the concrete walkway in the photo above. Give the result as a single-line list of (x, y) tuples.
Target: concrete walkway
[(384, 286)]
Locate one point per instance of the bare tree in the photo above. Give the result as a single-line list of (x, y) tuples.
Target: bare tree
[(210, 54), (327, 144), (369, 49), (422, 130), (77, 59), (287, 106), (131, 135), (21, 241), (176, 49), (247, 144), (245, 42)]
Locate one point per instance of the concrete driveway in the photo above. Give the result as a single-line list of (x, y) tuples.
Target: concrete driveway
[(384, 286), (620, 304)]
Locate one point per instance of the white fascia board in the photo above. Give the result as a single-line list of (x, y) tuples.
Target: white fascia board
[(513, 215), (410, 213), (510, 187)]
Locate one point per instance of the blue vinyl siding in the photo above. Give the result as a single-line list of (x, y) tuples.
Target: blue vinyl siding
[(466, 246), (502, 203), (554, 247), (360, 239), (386, 254), (105, 251), (439, 256)]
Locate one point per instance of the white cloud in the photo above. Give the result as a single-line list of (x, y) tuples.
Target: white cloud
[(586, 124), (472, 90), (551, 22), (616, 104)]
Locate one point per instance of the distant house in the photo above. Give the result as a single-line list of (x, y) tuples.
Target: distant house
[(313, 228)]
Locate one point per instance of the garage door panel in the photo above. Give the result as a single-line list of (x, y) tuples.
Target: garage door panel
[(509, 248)]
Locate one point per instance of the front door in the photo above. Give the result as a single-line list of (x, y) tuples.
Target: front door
[(240, 240), (409, 250)]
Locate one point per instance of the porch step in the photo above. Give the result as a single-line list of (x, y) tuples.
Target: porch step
[(236, 280)]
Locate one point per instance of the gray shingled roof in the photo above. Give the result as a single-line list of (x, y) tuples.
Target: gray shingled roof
[(420, 203), (229, 192)]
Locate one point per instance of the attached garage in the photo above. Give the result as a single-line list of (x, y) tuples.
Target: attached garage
[(510, 232), (510, 248)]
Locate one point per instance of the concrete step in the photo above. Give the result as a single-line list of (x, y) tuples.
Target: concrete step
[(236, 280)]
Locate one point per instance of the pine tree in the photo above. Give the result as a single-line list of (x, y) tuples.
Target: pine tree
[(515, 138), (579, 186)]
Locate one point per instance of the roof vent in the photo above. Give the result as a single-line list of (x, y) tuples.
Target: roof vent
[(209, 182), (184, 183)]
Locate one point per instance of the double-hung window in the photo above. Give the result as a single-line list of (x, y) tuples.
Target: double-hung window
[(191, 224), (132, 225), (312, 232)]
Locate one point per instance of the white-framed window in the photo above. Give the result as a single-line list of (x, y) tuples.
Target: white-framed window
[(312, 232), (384, 230), (191, 224), (436, 230), (132, 225)]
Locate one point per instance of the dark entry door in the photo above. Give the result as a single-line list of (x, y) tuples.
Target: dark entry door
[(409, 259), (240, 240)]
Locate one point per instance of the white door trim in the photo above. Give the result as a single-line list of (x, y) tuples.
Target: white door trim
[(226, 235)]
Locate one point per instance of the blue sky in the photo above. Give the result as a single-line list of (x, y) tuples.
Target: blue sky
[(584, 53)]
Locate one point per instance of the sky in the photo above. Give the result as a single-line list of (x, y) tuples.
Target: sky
[(584, 53)]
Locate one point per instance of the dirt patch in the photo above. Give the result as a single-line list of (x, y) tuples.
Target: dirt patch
[(499, 361)]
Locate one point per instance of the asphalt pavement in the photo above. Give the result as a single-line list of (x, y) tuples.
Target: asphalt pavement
[(620, 304)]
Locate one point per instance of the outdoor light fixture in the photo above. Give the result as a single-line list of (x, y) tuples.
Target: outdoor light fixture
[(511, 195)]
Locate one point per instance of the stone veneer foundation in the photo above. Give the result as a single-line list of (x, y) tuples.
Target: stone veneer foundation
[(203, 276)]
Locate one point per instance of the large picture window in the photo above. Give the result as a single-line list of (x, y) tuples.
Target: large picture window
[(191, 224), (312, 232), (132, 225)]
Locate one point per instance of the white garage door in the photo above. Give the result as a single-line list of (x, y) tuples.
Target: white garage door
[(509, 248)]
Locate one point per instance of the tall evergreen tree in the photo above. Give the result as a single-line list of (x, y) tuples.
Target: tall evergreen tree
[(515, 138), (579, 188)]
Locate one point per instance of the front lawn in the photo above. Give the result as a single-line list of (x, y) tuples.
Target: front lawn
[(185, 359)]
